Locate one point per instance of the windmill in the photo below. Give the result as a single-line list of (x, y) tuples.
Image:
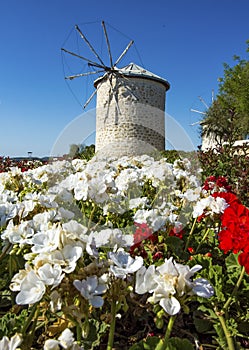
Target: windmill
[(201, 110), (130, 103), (99, 67)]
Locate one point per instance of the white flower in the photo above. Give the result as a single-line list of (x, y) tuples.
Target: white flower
[(192, 195), (166, 287), (218, 205), (41, 220), (66, 339), (32, 289), (55, 301), (51, 344), (124, 263), (152, 217), (67, 257), (46, 241), (64, 214), (184, 281), (51, 275), (91, 289), (10, 344), (110, 237), (19, 234), (210, 205), (97, 190), (100, 238), (145, 280), (170, 281), (75, 230), (8, 211), (137, 202)]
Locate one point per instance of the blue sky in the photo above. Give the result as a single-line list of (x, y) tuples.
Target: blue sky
[(184, 41)]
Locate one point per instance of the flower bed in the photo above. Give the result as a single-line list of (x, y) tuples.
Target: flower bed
[(132, 253)]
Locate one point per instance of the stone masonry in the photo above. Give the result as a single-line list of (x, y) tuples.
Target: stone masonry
[(130, 116)]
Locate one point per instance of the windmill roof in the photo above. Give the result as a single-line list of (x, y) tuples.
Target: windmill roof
[(134, 70)]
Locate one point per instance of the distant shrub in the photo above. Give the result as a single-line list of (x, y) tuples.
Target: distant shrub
[(230, 162)]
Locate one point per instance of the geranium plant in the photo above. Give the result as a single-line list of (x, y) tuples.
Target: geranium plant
[(132, 253)]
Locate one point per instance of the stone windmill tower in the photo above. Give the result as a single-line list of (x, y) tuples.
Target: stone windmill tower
[(130, 110)]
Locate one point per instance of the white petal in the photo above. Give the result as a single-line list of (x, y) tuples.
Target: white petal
[(4, 343), (51, 344), (203, 288), (66, 338), (15, 341), (78, 285), (32, 289), (170, 305), (96, 301), (136, 264)]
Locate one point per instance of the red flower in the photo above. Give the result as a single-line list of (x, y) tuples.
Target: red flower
[(157, 256), (244, 261), (177, 231), (142, 232), (213, 183), (229, 197), (235, 228), (191, 250)]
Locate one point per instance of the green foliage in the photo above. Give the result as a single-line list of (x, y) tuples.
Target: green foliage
[(149, 344), (86, 152), (230, 162), (228, 118), (81, 151), (174, 343), (199, 320), (96, 331), (173, 155), (12, 322)]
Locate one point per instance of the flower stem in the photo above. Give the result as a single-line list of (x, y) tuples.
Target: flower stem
[(169, 328), (228, 336), (236, 287), (29, 319), (5, 251), (220, 314), (190, 234), (113, 324), (163, 343), (203, 238)]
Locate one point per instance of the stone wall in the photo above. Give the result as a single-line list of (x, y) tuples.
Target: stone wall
[(130, 116)]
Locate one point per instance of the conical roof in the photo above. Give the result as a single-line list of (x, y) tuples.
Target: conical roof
[(133, 70)]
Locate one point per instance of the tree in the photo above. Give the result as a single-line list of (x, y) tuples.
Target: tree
[(227, 120), (74, 150), (81, 151), (87, 152)]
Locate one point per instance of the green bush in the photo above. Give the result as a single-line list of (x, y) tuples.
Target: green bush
[(232, 163)]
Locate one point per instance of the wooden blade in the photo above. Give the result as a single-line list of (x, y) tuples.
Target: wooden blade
[(90, 98), (124, 52), (88, 43), (113, 92), (95, 64), (108, 43), (118, 74), (71, 77)]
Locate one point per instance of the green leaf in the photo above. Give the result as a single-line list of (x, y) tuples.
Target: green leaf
[(179, 344), (232, 263), (149, 344), (202, 323)]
